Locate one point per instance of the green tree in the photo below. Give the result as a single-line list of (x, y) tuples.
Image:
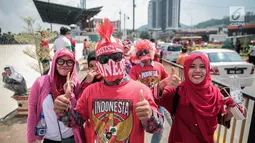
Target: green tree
[(33, 37), (145, 35), (119, 34)]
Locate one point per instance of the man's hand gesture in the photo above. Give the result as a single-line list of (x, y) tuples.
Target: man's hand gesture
[(143, 108)]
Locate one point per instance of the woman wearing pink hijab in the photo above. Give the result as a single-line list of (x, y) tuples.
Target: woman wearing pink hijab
[(197, 105), (42, 122)]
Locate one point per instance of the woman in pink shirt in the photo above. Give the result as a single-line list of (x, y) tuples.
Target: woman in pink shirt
[(42, 121)]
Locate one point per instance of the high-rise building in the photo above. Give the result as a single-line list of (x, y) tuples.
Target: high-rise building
[(150, 19), (83, 4), (154, 14), (163, 14), (173, 14)]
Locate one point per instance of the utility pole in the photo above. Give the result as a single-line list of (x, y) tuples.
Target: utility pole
[(50, 17), (124, 22), (133, 15), (120, 21), (124, 31)]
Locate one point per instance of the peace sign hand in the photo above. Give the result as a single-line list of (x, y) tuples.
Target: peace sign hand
[(69, 85)]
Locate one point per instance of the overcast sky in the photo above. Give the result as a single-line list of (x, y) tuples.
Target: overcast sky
[(192, 11)]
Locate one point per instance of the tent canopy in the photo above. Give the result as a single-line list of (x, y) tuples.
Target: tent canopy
[(61, 14)]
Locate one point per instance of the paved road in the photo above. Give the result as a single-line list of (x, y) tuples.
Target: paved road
[(14, 131)]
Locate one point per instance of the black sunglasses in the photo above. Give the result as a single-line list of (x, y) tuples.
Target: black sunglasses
[(142, 52), (116, 57), (7, 68), (61, 62)]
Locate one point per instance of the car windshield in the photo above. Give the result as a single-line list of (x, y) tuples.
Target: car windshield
[(224, 57), (174, 48)]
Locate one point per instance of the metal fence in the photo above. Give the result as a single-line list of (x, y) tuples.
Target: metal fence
[(240, 131)]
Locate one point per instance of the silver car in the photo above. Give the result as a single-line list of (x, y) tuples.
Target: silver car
[(171, 51), (225, 63)]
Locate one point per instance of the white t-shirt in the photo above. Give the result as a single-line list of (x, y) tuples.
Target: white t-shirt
[(52, 131), (61, 42), (253, 51)]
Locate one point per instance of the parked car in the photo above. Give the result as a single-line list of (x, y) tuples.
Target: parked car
[(171, 51), (204, 44), (225, 63)]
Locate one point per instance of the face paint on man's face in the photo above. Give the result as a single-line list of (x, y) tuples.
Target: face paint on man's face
[(112, 70), (144, 55), (145, 58)]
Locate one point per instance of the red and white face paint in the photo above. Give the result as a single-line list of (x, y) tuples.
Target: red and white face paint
[(145, 58), (112, 70)]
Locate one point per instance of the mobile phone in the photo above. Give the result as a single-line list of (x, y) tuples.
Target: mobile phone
[(237, 112), (224, 93)]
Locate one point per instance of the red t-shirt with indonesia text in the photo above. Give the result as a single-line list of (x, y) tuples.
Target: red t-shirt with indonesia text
[(149, 75), (109, 112)]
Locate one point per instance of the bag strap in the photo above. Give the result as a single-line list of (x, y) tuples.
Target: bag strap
[(59, 130), (175, 102), (58, 123)]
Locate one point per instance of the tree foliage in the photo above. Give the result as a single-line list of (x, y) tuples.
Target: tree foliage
[(119, 34), (145, 35), (32, 36)]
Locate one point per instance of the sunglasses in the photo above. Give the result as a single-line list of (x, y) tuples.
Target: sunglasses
[(143, 52), (61, 62), (116, 57), (7, 68)]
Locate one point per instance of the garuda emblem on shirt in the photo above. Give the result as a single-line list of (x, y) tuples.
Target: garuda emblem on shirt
[(113, 121)]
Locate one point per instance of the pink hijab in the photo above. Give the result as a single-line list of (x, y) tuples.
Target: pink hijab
[(57, 81), (41, 88)]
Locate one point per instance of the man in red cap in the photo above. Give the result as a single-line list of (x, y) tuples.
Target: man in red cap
[(118, 109)]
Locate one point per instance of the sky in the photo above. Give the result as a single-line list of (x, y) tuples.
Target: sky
[(192, 11)]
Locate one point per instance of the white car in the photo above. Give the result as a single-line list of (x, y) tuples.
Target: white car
[(171, 51), (225, 63)]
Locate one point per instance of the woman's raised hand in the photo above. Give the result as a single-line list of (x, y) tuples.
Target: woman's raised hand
[(172, 80), (69, 85), (62, 102)]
